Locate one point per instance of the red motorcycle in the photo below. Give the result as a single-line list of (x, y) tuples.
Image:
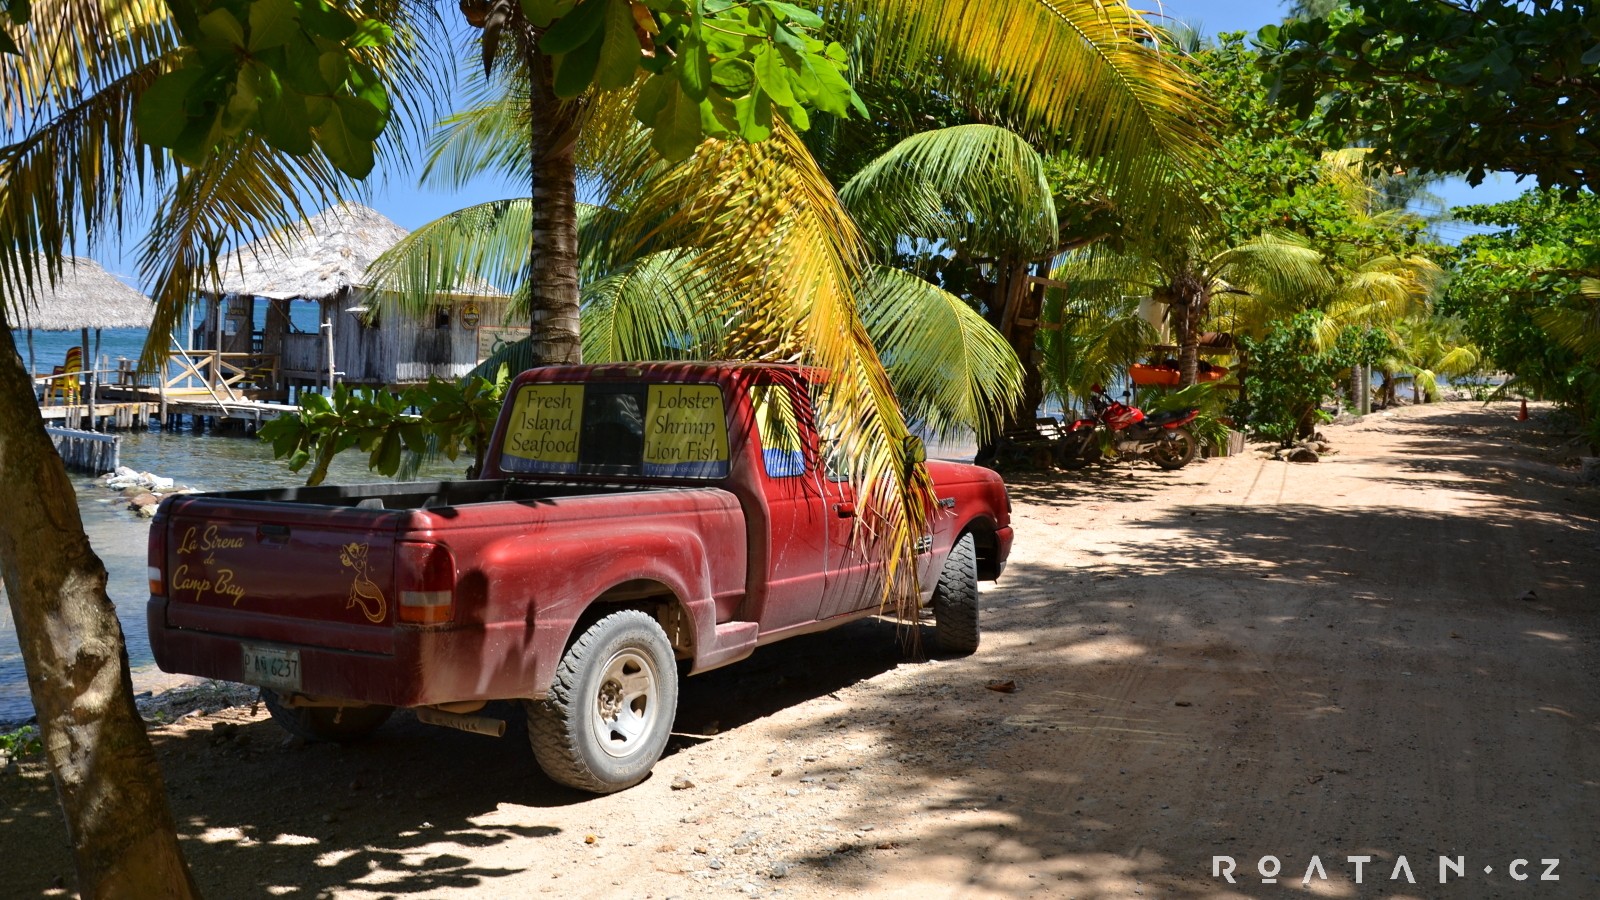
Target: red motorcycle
[(1159, 437)]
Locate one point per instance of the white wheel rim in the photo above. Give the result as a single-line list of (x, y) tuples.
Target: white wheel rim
[(624, 703)]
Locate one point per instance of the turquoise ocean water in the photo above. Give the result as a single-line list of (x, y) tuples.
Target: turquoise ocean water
[(204, 462)]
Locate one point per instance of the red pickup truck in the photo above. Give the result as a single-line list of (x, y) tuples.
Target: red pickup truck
[(629, 517)]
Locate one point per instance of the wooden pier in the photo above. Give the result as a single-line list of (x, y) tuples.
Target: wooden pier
[(89, 452)]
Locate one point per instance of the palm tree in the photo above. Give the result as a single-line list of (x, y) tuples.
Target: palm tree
[(1270, 272), (71, 168)]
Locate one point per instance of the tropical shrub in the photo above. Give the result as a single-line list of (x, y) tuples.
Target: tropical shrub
[(1288, 376)]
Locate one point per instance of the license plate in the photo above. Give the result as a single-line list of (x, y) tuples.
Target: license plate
[(271, 667)]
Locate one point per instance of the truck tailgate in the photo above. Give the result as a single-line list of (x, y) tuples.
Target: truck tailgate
[(313, 576)]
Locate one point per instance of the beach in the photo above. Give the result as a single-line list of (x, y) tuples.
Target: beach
[(1389, 654)]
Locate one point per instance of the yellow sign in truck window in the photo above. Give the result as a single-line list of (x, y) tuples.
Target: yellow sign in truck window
[(686, 431), (542, 434)]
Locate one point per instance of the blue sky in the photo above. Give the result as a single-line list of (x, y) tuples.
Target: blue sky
[(396, 194)]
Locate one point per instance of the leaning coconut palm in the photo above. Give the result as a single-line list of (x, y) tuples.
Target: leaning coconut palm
[(72, 169), (978, 194), (1270, 272)]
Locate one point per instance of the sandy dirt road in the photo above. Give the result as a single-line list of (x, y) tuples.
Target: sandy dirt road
[(1389, 653)]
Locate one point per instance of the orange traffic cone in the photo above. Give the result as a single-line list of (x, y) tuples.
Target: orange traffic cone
[(1522, 414)]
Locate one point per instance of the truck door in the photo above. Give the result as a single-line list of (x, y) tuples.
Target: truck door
[(852, 580), (796, 514)]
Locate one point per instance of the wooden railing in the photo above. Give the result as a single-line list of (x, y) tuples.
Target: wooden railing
[(218, 372)]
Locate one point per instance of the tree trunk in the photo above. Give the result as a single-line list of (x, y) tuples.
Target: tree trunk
[(1014, 312), (1191, 299), (553, 263), (121, 830)]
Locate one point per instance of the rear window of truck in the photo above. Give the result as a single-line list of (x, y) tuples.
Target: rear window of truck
[(649, 430)]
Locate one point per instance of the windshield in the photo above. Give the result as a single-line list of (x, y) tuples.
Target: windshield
[(604, 428)]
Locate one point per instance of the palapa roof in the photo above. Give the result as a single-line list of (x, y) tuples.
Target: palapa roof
[(317, 258), (85, 296)]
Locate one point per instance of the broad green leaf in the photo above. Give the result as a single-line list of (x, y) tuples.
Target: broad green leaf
[(370, 33), (220, 25), (833, 92), (7, 45), (653, 98), (334, 67), (773, 77), (322, 20), (574, 71), (303, 73), (755, 116), (694, 67), (619, 56), (805, 18), (576, 28), (347, 149), (272, 23), (542, 12), (734, 77), (285, 125), (677, 127), (161, 116)]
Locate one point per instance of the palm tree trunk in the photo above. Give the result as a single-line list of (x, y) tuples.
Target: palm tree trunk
[(123, 839), (553, 262), (1190, 301)]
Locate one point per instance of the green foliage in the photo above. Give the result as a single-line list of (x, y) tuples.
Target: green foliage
[(18, 12), (296, 72), (713, 68), (1451, 85), (1288, 377), (1526, 296), (1209, 426), (24, 741), (455, 417)]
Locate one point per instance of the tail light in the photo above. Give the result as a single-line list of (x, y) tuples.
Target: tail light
[(426, 577), (157, 560)]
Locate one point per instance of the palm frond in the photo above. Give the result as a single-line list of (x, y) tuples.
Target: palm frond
[(1092, 74), (490, 135), (74, 49), (243, 191), (71, 173), (979, 187), (952, 371), (1277, 265), (763, 219), (654, 308)]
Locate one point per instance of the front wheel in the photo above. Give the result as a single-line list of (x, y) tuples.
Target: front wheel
[(955, 600), (335, 724), (1175, 449), (610, 709)]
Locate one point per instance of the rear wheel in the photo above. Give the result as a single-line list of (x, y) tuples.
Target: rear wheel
[(955, 600), (1175, 449), (336, 724), (610, 708)]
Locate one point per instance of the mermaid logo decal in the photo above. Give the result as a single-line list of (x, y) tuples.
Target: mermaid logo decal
[(364, 592)]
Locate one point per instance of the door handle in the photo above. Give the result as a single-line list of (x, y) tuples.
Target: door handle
[(845, 509)]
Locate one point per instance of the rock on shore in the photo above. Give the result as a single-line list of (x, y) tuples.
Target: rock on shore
[(144, 490)]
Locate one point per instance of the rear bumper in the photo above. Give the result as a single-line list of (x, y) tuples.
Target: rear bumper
[(425, 667)]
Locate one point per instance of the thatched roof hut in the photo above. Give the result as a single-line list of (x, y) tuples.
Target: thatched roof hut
[(325, 260), (314, 260), (86, 296)]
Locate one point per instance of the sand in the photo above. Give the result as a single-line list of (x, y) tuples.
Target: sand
[(1390, 653)]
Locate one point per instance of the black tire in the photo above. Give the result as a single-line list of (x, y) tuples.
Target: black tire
[(955, 600), (1175, 450), (622, 662), (334, 724)]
